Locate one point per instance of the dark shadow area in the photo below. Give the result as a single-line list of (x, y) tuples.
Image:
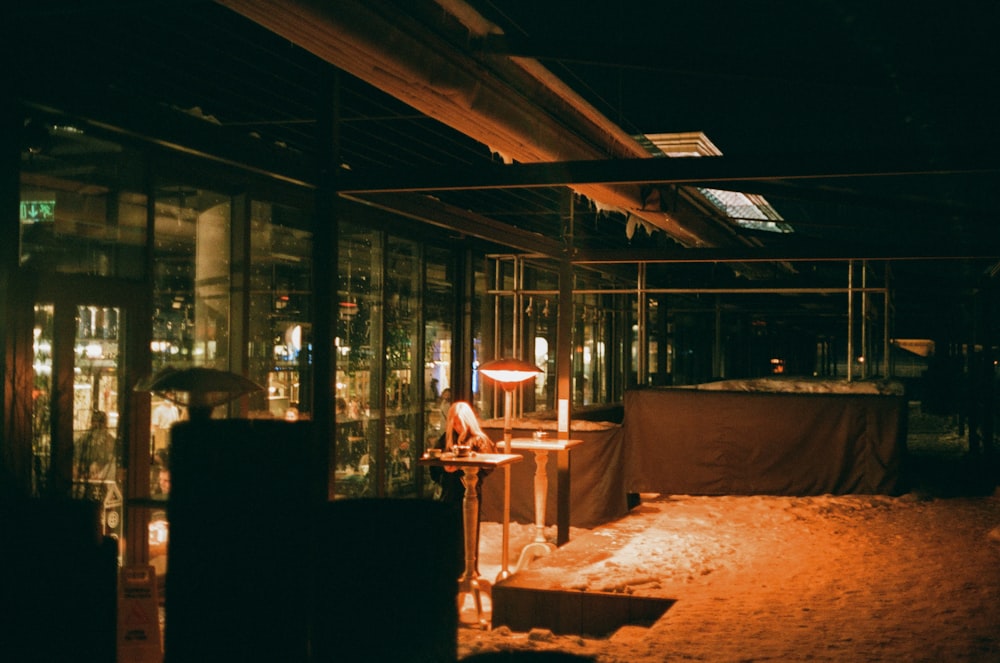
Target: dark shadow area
[(264, 568), (938, 463), (526, 656), (941, 475), (521, 607), (58, 582)]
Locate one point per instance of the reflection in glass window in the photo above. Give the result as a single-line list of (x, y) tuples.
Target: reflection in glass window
[(359, 368), (191, 280), (281, 292), (403, 305), (98, 463), (41, 399), (81, 206), (439, 314)]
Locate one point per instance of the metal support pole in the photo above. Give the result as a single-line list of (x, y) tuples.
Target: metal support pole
[(865, 358), (886, 329), (850, 320), (717, 346), (642, 342), (564, 373)]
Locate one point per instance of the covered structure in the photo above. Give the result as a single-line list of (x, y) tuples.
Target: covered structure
[(356, 203)]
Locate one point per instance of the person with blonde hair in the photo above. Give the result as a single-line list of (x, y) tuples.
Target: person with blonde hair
[(461, 428)]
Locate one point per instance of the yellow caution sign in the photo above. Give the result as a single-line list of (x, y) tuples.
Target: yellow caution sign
[(139, 638)]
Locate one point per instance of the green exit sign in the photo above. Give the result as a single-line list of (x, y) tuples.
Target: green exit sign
[(38, 211)]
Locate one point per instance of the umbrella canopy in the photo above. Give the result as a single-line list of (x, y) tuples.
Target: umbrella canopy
[(198, 388)]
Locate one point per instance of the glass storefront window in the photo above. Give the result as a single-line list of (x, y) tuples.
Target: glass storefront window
[(191, 316), (280, 319), (397, 303), (82, 210), (95, 400), (41, 417), (618, 359), (78, 452), (359, 332), (525, 309), (404, 302), (439, 314), (481, 321), (540, 313), (588, 354), (191, 280)]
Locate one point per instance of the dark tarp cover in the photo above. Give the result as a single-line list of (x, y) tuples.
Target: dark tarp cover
[(597, 478), (692, 442)]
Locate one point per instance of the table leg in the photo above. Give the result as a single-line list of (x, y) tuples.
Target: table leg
[(470, 582), (539, 546)]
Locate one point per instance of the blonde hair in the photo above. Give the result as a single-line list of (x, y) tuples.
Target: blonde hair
[(463, 423)]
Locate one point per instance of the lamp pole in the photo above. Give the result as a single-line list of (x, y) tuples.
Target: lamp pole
[(508, 399), (508, 373)]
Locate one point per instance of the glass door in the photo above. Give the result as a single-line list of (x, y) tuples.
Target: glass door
[(82, 432)]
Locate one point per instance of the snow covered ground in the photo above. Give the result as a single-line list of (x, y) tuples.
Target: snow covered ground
[(760, 578)]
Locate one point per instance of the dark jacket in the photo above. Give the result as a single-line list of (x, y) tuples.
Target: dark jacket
[(452, 489)]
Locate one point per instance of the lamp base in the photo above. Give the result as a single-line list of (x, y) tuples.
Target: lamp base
[(533, 551)]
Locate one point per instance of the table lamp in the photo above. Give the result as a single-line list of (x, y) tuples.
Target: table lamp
[(508, 373)]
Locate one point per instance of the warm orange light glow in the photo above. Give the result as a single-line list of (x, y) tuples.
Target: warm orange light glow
[(919, 346), (509, 372), (507, 376), (158, 533)]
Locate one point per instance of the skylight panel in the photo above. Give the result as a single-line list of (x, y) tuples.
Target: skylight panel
[(684, 144), (748, 211)]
